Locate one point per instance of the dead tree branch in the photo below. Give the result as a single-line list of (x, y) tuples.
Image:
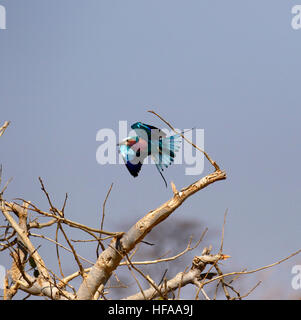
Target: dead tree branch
[(16, 236), (193, 276), (110, 258), (4, 127)]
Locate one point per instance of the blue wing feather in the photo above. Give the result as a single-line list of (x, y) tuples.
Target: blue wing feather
[(164, 150), (134, 168), (151, 131), (161, 148), (130, 160)]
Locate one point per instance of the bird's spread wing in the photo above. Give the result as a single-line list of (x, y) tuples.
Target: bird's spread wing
[(129, 157), (147, 131), (163, 150), (141, 125), (133, 168)]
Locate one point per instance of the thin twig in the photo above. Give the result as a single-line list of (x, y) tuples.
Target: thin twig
[(66, 221), (81, 269), (147, 277), (223, 232), (252, 271), (60, 245), (53, 209), (251, 290), (187, 249), (57, 250), (5, 186), (104, 206), (215, 165), (180, 284), (133, 274), (64, 204), (4, 127)]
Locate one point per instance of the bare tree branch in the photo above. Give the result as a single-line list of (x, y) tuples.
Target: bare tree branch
[(215, 165), (4, 127), (21, 219), (199, 263), (109, 260)]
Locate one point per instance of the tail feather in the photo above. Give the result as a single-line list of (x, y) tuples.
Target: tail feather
[(164, 150), (157, 166)]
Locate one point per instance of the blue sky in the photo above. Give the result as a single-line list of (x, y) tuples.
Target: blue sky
[(69, 68)]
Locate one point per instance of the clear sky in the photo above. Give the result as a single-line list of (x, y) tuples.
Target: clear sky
[(69, 68)]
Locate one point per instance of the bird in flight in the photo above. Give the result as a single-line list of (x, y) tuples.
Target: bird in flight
[(149, 141)]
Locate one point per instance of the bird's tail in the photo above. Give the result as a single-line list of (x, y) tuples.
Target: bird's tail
[(164, 150)]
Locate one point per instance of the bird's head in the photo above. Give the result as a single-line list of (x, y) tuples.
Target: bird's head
[(130, 141)]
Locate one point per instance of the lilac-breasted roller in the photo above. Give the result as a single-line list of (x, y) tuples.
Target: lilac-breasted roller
[(149, 141)]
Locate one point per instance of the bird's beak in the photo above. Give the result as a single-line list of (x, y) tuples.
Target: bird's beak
[(122, 143)]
